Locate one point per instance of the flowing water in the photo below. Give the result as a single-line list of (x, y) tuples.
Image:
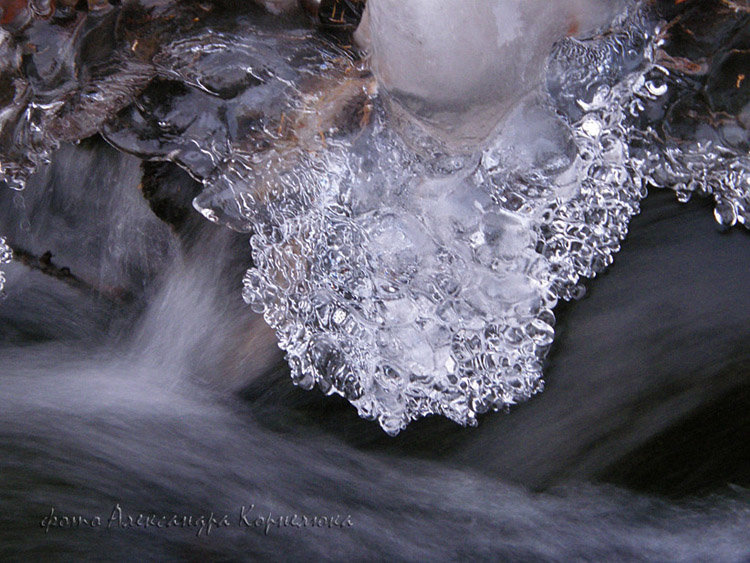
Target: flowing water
[(407, 275)]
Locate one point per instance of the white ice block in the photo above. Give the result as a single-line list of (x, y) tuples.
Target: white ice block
[(461, 64)]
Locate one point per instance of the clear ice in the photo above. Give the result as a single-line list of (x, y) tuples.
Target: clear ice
[(416, 280), (409, 274)]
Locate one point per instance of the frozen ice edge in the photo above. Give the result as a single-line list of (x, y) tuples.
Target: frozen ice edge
[(474, 350)]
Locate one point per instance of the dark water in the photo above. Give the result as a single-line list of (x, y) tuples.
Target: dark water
[(172, 400)]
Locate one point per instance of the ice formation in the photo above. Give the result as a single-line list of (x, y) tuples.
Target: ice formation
[(411, 233), (462, 64), (278, 6), (6, 256), (414, 279)]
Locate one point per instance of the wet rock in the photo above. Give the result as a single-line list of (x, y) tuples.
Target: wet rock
[(728, 84), (169, 191)]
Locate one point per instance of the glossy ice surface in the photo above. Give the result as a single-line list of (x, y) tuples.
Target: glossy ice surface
[(409, 273)]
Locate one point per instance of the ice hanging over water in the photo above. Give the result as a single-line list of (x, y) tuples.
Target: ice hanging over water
[(414, 279), (403, 263)]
